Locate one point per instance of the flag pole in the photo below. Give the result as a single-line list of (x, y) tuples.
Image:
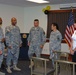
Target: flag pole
[(72, 9)]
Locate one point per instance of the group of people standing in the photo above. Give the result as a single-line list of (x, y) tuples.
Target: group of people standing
[(36, 41), (13, 42)]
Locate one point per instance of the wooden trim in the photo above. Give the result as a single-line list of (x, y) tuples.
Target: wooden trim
[(45, 54), (63, 41), (57, 11)]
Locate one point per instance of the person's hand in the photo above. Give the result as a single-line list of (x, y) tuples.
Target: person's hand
[(20, 45), (28, 43), (41, 46), (0, 52), (74, 49), (9, 47), (8, 30), (72, 52), (3, 40), (54, 51)]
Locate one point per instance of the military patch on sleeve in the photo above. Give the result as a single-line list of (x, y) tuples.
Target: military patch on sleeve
[(44, 32)]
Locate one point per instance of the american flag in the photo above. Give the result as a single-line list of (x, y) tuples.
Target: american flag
[(69, 29)]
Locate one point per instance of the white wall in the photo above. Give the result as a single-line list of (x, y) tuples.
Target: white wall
[(25, 16), (7, 12), (32, 13)]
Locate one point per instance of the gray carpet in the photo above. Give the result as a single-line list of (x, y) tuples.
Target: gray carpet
[(24, 65)]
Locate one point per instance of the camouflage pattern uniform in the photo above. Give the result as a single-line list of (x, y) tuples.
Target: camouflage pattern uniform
[(13, 39), (55, 44), (1, 46), (36, 38)]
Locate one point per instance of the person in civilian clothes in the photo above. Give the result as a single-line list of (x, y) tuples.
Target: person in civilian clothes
[(73, 45)]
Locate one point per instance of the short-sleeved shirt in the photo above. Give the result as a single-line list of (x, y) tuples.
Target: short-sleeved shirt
[(74, 39)]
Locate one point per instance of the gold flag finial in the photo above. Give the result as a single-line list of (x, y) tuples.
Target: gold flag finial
[(72, 8)]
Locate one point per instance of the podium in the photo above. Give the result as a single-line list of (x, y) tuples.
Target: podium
[(24, 49)]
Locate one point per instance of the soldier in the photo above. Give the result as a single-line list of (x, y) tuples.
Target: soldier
[(55, 41), (13, 41), (36, 40), (2, 39)]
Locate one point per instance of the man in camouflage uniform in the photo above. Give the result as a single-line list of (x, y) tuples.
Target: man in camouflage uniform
[(13, 41), (1, 45), (36, 40)]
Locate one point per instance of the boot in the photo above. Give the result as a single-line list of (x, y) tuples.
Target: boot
[(16, 68), (31, 65), (1, 73), (9, 70)]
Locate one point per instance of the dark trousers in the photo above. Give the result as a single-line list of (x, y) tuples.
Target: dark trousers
[(74, 59)]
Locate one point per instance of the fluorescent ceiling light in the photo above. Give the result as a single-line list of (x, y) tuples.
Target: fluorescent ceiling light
[(38, 1)]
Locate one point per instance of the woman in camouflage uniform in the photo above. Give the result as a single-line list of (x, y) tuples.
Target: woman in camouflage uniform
[(55, 42)]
